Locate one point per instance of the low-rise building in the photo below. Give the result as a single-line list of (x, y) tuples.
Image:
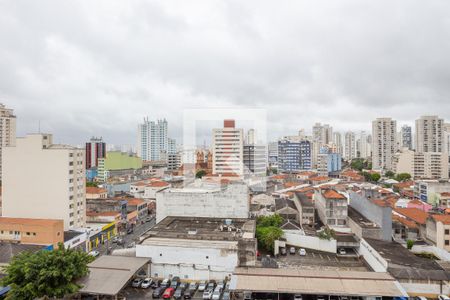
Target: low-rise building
[(438, 231), (199, 248), (32, 231), (96, 193), (305, 207), (419, 217), (331, 207), (429, 190)]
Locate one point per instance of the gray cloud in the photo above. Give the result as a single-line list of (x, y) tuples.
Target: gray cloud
[(98, 67)]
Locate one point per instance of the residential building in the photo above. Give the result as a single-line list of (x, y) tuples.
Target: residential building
[(430, 134), (204, 200), (384, 143), (32, 231), (331, 207), (95, 149), (406, 137), (96, 193), (438, 231), (227, 149), (323, 134), (173, 161), (7, 130), (425, 165), (305, 206), (294, 155), (363, 146), (337, 141), (272, 152), (350, 145), (430, 190), (55, 181), (153, 140), (329, 163), (196, 248)]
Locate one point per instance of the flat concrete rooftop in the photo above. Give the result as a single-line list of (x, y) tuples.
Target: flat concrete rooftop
[(203, 229), (362, 221)]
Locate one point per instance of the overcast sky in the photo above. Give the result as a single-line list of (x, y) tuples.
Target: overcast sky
[(88, 68)]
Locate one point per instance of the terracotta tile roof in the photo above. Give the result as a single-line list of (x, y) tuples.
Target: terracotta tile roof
[(134, 201), (95, 190), (382, 202), (404, 185), (445, 194), (290, 184), (320, 178), (29, 221), (404, 221), (332, 194), (157, 184), (415, 214), (444, 219), (281, 176)]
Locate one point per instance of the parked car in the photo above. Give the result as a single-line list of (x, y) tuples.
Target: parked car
[(168, 293), (221, 285), (193, 286), (248, 295), (342, 251), (146, 283), (94, 253), (175, 282), (157, 293), (137, 282), (443, 297), (179, 291), (165, 283), (226, 295), (156, 283), (298, 297), (207, 294), (202, 286), (283, 251), (211, 286), (217, 293), (292, 250), (188, 293), (302, 252)]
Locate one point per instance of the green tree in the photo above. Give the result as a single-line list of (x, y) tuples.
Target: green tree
[(327, 234), (200, 173), (375, 177), (403, 177), (409, 244), (267, 236), (91, 184), (389, 174), (367, 176), (267, 221), (357, 164), (45, 273)]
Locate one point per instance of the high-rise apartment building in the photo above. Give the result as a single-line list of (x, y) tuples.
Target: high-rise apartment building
[(272, 151), (323, 134), (294, 155), (43, 180), (421, 165), (153, 142), (7, 130), (255, 160), (430, 134), (95, 149), (363, 146), (384, 143), (406, 137), (349, 145), (228, 148), (337, 141)]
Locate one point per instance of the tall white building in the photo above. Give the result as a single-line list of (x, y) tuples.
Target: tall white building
[(421, 165), (337, 140), (153, 142), (406, 140), (363, 145), (349, 145), (430, 134), (323, 134), (43, 180), (228, 149), (384, 143), (7, 130)]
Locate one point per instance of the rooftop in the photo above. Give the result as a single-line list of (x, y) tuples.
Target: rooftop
[(9, 250), (444, 219), (203, 229), (360, 219), (30, 221), (332, 194), (305, 201), (414, 214)]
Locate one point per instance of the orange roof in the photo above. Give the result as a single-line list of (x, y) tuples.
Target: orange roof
[(95, 190), (29, 221), (134, 201), (332, 194), (445, 194), (403, 185), (381, 202), (415, 214), (404, 221), (444, 219), (157, 184), (320, 178), (140, 183), (281, 176), (290, 184), (307, 173)]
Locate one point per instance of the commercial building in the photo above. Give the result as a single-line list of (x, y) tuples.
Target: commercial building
[(52, 178), (406, 137), (196, 248), (7, 130), (228, 149), (328, 163), (384, 143), (331, 207), (153, 141), (430, 134), (32, 231), (430, 190), (201, 200), (425, 165), (95, 149), (117, 161), (294, 155)]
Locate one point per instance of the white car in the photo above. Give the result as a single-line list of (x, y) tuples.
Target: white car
[(94, 253), (302, 252), (342, 251), (207, 295), (216, 294), (146, 283), (443, 297), (298, 297)]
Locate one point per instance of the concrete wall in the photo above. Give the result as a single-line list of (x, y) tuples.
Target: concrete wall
[(372, 233), (371, 256), (233, 202), (440, 253), (377, 214), (295, 238)]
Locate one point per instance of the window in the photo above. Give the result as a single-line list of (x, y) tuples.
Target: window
[(447, 242), (28, 233), (34, 233), (447, 231)]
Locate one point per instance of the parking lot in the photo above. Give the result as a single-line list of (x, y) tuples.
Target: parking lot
[(322, 261)]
